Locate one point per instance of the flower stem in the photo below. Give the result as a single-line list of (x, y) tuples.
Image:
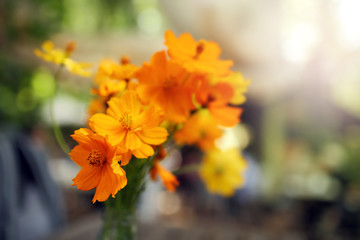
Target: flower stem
[(56, 128), (187, 169)]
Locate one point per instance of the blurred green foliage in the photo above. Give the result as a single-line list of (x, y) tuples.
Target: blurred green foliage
[(23, 21), (18, 105), (23, 87)]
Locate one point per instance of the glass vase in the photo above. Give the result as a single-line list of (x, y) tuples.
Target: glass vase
[(120, 212)]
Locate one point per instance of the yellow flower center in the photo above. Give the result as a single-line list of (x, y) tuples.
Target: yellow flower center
[(126, 120), (96, 158)]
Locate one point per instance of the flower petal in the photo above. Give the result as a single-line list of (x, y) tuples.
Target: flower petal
[(107, 126), (226, 116), (87, 178), (79, 155), (153, 136), (144, 152), (111, 182)]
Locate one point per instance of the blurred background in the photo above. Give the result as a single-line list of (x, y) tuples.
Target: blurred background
[(300, 129)]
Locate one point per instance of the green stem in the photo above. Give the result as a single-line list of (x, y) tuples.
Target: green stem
[(56, 128), (120, 212), (187, 169)]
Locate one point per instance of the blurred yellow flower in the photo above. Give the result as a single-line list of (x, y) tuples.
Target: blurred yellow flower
[(78, 68), (222, 171), (61, 57)]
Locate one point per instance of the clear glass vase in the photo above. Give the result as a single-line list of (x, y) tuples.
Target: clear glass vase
[(119, 225), (120, 212)]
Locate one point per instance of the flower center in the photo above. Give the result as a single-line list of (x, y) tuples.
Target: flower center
[(96, 158), (199, 49), (126, 120), (125, 60), (169, 82), (218, 171)]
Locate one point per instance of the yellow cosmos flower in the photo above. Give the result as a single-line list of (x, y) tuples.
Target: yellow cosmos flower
[(99, 165), (129, 124), (222, 171), (238, 83), (61, 57)]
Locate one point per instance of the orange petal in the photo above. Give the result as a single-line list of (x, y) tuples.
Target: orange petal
[(124, 158), (148, 118), (181, 47), (132, 101), (117, 107), (144, 152), (153, 136), (107, 126), (169, 180), (82, 137), (87, 178), (110, 183), (132, 141), (120, 177), (79, 155), (226, 116)]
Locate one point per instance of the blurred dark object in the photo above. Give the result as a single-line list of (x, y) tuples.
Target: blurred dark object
[(24, 19), (18, 104), (30, 201)]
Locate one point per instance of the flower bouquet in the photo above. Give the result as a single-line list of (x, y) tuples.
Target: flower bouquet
[(183, 96)]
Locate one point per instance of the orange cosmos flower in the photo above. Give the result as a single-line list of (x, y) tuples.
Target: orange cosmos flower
[(124, 71), (113, 77), (216, 99), (97, 105), (167, 85), (199, 129), (201, 56), (237, 81), (99, 165), (58, 56), (109, 88), (168, 179), (129, 124)]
